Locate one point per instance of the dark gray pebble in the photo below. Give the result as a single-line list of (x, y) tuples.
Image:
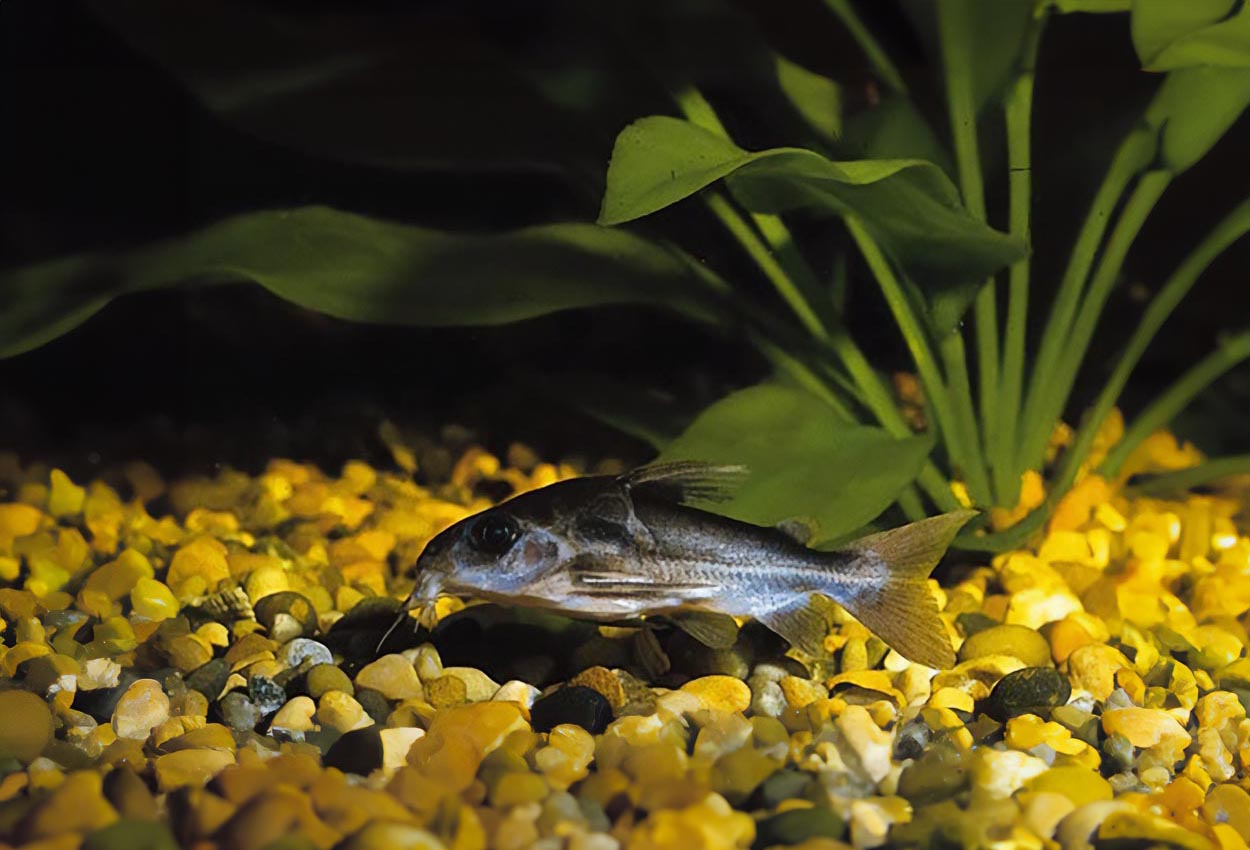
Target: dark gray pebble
[(267, 695), (239, 712), (581, 706), (358, 752)]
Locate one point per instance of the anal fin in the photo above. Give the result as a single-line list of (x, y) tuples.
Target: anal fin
[(803, 622), (718, 631)]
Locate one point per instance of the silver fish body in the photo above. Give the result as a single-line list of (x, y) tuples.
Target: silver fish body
[(615, 548)]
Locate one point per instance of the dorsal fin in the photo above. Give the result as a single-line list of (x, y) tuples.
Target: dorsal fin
[(685, 481)]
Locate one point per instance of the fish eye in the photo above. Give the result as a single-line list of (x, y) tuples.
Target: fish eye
[(494, 533)]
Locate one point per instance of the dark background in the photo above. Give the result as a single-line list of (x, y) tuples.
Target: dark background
[(102, 149)]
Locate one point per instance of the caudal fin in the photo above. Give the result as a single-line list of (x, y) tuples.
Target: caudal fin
[(896, 603)]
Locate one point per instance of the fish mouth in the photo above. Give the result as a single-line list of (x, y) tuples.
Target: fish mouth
[(424, 595)]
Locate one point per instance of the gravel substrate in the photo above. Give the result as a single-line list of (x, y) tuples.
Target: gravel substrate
[(193, 665)]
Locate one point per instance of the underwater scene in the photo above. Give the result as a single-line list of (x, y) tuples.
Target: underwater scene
[(672, 425)]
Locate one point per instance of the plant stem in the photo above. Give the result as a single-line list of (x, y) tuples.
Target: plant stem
[(803, 376), (1231, 351), (1136, 210), (1235, 225), (763, 257), (800, 277), (1185, 479), (1018, 117), (1132, 156), (964, 423), (877, 57), (913, 335), (953, 29), (875, 394)]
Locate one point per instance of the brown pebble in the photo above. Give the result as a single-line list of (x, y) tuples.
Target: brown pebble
[(446, 691), (604, 681)]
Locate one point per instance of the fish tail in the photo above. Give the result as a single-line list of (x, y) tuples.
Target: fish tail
[(889, 591)]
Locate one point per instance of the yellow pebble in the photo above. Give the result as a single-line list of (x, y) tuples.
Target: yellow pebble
[(723, 693), (153, 600), (65, 498), (952, 698)]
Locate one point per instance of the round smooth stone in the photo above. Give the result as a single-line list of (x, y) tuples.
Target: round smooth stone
[(27, 727), (1033, 690), (576, 704)]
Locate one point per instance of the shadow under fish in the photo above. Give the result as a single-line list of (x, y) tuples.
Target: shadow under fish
[(623, 548)]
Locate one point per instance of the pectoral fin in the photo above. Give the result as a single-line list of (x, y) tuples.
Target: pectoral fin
[(718, 631), (803, 622)]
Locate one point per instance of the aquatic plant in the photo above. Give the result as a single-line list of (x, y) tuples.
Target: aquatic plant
[(875, 191)]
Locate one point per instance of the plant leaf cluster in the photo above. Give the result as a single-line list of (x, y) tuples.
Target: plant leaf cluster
[(897, 211)]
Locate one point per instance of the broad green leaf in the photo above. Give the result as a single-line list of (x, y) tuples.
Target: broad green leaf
[(803, 460), (817, 98), (894, 129), (1170, 34), (366, 270), (1193, 109), (910, 206)]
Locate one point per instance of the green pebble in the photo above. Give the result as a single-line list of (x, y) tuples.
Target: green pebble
[(693, 659), (600, 651), (932, 826), (971, 622), (769, 731), (1017, 641), (1033, 690), (937, 775), (210, 678), (296, 605), (131, 835), (798, 825), (1119, 750), (326, 677), (375, 705), (739, 773), (1082, 724), (784, 785), (27, 727)]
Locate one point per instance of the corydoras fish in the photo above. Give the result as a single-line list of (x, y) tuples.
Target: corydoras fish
[(612, 548)]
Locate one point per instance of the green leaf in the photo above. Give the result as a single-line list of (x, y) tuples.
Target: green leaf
[(1095, 6), (910, 206), (894, 129), (1169, 34), (817, 98), (803, 460), (366, 270), (1193, 109)]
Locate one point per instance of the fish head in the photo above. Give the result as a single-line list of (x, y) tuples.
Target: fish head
[(498, 551)]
